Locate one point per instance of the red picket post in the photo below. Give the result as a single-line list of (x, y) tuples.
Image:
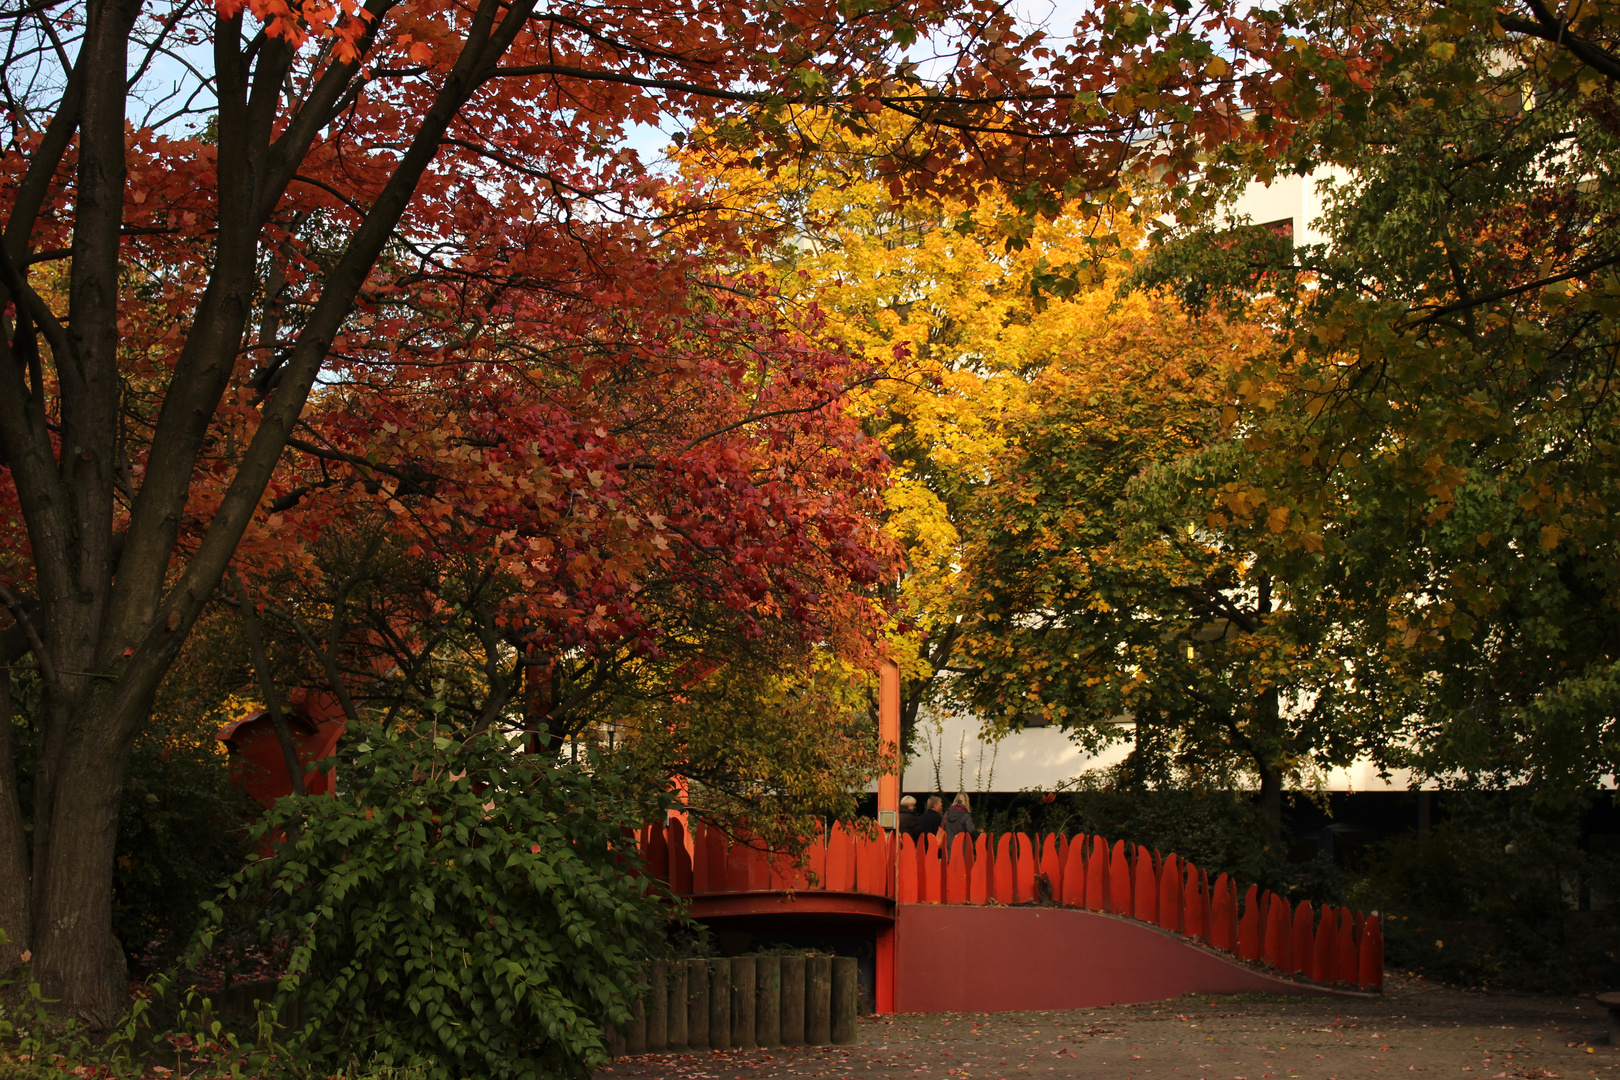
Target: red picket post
[(1372, 956), (815, 862), (1303, 946), (1279, 939), (680, 859), (906, 887), (1232, 921), (716, 850), (1349, 950), (1170, 893), (979, 873), (1223, 915), (1001, 874), (1325, 951), (657, 853), (1195, 905), (1146, 906), (1097, 876), (778, 873), (1024, 871), (1249, 929), (1074, 874), (1052, 866), (1119, 881), (931, 871), (871, 865), (700, 860), (840, 860), (736, 866), (956, 870)]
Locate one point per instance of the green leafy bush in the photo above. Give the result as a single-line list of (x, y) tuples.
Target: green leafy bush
[(1491, 897), (460, 910)]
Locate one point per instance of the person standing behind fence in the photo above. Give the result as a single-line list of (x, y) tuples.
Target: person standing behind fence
[(932, 819), (958, 819), (906, 821)]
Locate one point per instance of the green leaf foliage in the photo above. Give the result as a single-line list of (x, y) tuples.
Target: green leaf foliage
[(1490, 896), (459, 908), (1441, 405), (1129, 582)]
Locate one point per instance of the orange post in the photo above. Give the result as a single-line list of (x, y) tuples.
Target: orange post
[(1249, 928), (979, 875), (1024, 870), (1170, 893), (1278, 920), (1304, 939), (888, 802), (1001, 871), (906, 886), (1074, 874), (1222, 915), (1119, 881), (1371, 975), (887, 948), (1097, 876), (1325, 953), (1349, 950), (1147, 885)]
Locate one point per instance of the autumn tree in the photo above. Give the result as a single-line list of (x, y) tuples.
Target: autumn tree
[(1108, 592), (1446, 388), (659, 534), (940, 296), (225, 246)]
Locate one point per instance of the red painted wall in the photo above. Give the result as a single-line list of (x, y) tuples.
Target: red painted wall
[(997, 959)]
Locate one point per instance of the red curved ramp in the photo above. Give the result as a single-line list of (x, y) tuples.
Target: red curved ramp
[(999, 959)]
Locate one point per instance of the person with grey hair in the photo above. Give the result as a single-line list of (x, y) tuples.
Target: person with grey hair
[(908, 823), (959, 819), (932, 818)]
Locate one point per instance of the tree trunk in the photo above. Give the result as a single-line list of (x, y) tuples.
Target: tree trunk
[(14, 908), (1268, 747), (1270, 802), (77, 961)]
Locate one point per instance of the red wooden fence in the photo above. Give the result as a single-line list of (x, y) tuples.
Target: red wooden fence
[(1336, 945)]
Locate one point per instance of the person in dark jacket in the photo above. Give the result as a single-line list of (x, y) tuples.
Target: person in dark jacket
[(932, 819), (908, 824), (959, 819)]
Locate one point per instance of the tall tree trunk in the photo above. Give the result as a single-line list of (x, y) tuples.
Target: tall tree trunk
[(80, 779), (1268, 748), (77, 961), (111, 638), (1270, 802), (14, 907)]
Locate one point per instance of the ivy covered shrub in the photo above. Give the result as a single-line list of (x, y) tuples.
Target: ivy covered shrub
[(459, 910)]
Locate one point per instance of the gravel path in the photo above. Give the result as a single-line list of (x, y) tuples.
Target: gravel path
[(1414, 1028)]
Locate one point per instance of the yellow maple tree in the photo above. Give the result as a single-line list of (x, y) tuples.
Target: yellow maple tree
[(939, 296)]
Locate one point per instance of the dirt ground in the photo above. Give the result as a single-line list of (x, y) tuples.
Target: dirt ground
[(1414, 1028)]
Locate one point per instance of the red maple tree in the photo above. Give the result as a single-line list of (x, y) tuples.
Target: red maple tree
[(331, 195)]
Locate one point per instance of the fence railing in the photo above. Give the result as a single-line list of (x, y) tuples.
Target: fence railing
[(1333, 945)]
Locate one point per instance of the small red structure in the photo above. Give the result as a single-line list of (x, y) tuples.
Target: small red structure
[(258, 766), (972, 933)]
